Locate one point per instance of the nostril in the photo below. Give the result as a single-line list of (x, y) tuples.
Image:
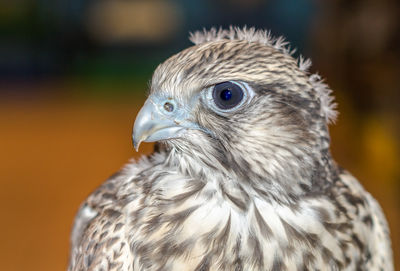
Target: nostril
[(169, 107)]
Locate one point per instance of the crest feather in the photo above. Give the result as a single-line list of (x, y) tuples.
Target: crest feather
[(265, 37), (328, 105)]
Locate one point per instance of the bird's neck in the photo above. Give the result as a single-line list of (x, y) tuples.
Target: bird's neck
[(284, 185)]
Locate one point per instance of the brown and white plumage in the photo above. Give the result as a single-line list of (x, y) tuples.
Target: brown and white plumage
[(251, 187)]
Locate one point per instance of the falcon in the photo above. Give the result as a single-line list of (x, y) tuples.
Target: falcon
[(242, 177)]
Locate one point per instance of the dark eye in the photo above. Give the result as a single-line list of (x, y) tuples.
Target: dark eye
[(227, 95)]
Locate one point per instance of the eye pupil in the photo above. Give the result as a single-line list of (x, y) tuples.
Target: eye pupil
[(226, 95)]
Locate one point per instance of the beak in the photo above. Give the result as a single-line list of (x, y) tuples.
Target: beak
[(153, 125)]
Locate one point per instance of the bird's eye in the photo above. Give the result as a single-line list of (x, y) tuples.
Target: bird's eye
[(227, 95)]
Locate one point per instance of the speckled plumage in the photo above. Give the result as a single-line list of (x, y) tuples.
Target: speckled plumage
[(260, 191)]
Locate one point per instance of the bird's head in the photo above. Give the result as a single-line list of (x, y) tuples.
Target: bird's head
[(238, 100)]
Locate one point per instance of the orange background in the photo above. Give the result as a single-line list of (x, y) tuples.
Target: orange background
[(54, 152)]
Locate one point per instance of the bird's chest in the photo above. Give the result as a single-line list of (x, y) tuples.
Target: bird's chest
[(186, 225)]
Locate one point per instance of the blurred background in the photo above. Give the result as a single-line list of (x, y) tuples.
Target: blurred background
[(74, 73)]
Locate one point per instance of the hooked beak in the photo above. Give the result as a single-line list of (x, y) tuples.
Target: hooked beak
[(153, 125)]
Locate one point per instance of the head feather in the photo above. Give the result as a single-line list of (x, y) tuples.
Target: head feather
[(265, 37)]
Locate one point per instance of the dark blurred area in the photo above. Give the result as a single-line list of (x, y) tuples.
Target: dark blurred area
[(74, 73)]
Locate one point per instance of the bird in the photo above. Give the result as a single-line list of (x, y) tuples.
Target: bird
[(242, 177)]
